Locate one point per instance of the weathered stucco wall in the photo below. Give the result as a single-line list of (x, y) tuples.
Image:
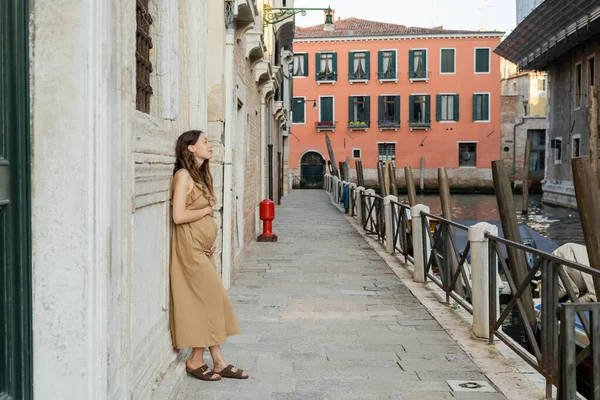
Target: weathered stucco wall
[(568, 121)]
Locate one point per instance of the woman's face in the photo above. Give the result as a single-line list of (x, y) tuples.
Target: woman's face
[(202, 149)]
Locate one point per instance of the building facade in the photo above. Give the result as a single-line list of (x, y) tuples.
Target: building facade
[(388, 92), (94, 96), (525, 7), (567, 50), (523, 115)]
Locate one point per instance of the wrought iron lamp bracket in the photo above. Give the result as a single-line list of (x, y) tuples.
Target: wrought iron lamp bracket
[(275, 15)]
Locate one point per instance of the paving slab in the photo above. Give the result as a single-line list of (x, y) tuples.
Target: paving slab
[(322, 316)]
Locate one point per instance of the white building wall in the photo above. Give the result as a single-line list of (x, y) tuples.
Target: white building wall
[(101, 173)]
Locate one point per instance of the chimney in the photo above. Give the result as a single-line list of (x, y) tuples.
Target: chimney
[(332, 16)]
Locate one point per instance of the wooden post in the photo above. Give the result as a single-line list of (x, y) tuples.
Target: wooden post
[(347, 169), (422, 175), (387, 177), (410, 186), (588, 204), (510, 228), (334, 170), (393, 187), (361, 180), (381, 177), (446, 200), (594, 130), (525, 208)]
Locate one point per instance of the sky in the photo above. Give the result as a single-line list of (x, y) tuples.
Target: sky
[(451, 14)]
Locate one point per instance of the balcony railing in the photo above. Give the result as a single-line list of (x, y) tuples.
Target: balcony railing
[(418, 76), (325, 126), (358, 76), (326, 76), (359, 125), (388, 76), (395, 125), (419, 125)]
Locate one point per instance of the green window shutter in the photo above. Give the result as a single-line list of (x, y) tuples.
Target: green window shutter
[(411, 107), (350, 63), (427, 108), (456, 108), (486, 107), (351, 116), (397, 108), (368, 109), (394, 61), (380, 61), (411, 64), (380, 109), (298, 110), (438, 107), (424, 62), (482, 58), (306, 65), (326, 109), (335, 65), (318, 65), (474, 107), (368, 62)]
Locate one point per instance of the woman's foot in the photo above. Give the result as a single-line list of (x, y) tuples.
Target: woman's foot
[(202, 372), (229, 371)]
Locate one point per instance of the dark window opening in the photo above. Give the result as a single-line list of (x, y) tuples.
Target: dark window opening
[(467, 154), (142, 57)]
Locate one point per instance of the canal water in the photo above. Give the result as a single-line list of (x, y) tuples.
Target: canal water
[(557, 224)]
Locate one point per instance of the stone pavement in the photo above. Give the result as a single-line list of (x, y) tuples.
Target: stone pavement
[(323, 317)]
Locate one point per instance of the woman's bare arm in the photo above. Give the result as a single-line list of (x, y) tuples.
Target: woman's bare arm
[(181, 182)]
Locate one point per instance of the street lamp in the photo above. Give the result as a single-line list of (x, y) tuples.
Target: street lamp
[(275, 15)]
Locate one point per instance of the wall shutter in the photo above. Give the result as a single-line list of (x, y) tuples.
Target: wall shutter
[(368, 109), (474, 107), (456, 108), (380, 110), (351, 116), (411, 107), (334, 56), (380, 61), (317, 65), (350, 63), (306, 65), (428, 108), (486, 107), (397, 108), (411, 64), (438, 107), (368, 62)]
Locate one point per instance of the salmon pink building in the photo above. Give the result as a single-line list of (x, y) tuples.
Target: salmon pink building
[(390, 92)]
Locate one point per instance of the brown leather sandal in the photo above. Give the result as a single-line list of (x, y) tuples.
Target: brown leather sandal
[(202, 374), (227, 373)]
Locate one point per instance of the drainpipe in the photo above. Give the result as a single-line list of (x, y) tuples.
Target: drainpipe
[(270, 148), (263, 145), (228, 153), (515, 148)]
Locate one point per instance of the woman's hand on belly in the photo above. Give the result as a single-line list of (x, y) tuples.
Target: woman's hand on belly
[(210, 251)]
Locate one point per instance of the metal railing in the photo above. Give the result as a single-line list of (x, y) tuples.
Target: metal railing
[(359, 76), (373, 218), (402, 230), (388, 124), (456, 284), (542, 352), (393, 75)]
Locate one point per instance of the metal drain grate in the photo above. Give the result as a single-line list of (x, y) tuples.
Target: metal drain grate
[(471, 386)]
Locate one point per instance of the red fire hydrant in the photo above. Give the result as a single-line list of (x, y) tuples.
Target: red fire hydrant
[(267, 215)]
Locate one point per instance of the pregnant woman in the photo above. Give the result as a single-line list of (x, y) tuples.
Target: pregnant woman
[(201, 313)]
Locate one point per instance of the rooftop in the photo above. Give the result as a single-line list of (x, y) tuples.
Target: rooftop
[(355, 27)]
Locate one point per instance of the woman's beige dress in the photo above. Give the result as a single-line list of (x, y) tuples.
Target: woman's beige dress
[(201, 313)]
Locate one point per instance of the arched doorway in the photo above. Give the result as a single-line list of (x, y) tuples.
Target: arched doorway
[(311, 170)]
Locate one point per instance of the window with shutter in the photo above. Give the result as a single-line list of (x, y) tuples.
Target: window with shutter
[(481, 107), (447, 61), (298, 110), (326, 67), (482, 60), (419, 117), (358, 112), (446, 107), (417, 64), (358, 66), (326, 114), (387, 66), (389, 112)]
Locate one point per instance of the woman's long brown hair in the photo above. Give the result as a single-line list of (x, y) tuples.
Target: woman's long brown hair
[(184, 159)]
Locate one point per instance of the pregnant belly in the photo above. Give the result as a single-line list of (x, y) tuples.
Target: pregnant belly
[(205, 232)]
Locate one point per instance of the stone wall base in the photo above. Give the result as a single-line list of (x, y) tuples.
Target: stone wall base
[(559, 193)]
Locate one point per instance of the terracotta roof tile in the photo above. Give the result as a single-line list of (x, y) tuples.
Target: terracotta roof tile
[(356, 27)]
